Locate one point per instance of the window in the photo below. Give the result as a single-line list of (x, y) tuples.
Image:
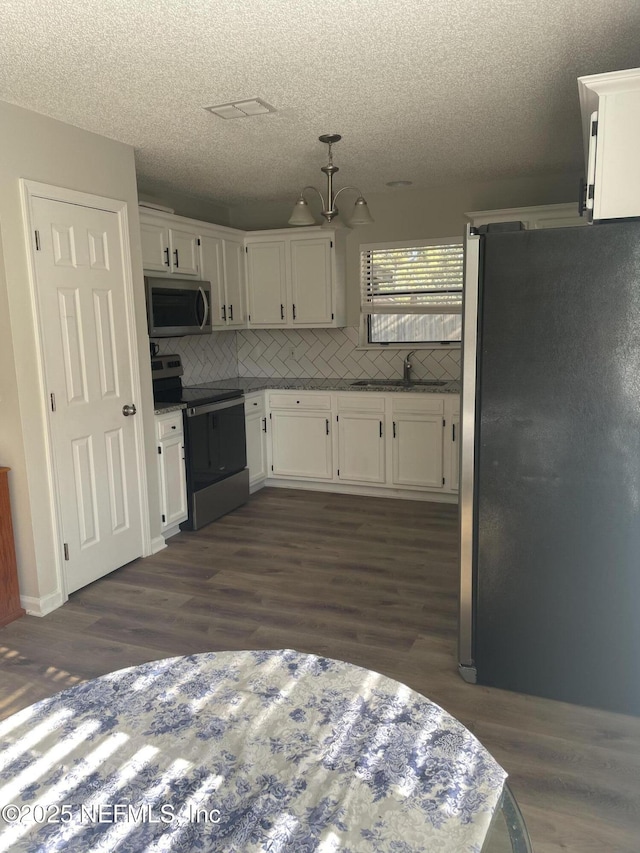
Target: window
[(411, 293)]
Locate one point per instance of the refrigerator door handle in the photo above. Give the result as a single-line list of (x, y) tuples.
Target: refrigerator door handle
[(467, 454)]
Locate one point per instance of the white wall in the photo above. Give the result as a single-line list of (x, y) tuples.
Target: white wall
[(38, 148)]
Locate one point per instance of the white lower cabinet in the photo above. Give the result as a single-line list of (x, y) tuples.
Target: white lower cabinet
[(417, 433), (301, 444), (417, 451), (171, 472), (256, 430), (401, 442), (361, 431), (301, 435), (361, 454)]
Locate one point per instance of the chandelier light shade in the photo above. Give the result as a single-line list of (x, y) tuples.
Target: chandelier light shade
[(302, 215)]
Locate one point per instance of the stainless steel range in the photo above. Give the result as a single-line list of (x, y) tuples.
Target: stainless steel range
[(215, 442)]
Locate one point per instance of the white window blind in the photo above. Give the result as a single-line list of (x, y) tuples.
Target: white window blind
[(401, 278)]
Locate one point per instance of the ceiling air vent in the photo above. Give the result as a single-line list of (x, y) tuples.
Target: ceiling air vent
[(242, 109)]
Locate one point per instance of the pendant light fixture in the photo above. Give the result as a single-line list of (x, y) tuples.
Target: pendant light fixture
[(301, 214)]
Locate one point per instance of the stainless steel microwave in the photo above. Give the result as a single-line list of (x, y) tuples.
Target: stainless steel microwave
[(178, 307)]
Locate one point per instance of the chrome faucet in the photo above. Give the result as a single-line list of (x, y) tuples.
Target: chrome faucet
[(407, 366)]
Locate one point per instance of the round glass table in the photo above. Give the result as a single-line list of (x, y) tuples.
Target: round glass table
[(245, 752), (508, 832)]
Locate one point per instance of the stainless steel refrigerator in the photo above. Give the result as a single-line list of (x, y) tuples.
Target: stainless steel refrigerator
[(550, 463)]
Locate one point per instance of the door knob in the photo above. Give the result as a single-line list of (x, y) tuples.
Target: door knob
[(129, 410)]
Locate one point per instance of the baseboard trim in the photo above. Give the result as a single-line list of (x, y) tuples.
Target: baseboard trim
[(367, 491), (157, 544), (41, 606)]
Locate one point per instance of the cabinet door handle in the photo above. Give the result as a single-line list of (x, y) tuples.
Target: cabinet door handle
[(224, 313), (281, 311), (175, 252), (380, 429), (167, 262), (231, 312), (264, 425), (327, 423), (394, 429), (294, 311), (453, 432)]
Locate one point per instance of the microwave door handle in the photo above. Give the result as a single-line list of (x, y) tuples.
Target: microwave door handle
[(205, 303)]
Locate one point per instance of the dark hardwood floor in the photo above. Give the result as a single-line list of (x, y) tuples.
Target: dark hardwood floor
[(368, 580)]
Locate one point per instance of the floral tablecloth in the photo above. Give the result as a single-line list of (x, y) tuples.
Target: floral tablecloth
[(243, 752)]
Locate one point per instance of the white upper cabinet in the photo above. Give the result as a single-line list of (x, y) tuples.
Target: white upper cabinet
[(168, 249), (222, 263), (267, 283), (154, 237), (539, 216), (234, 282), (183, 249), (295, 278), (286, 278), (173, 245), (610, 106), (211, 266), (311, 281)]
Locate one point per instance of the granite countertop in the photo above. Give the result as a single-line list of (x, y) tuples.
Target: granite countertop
[(247, 384), (258, 383), (163, 408)]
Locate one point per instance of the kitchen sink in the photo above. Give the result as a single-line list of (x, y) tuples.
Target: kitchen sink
[(399, 383)]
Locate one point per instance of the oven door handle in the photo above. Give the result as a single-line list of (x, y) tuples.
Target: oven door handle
[(194, 411), (205, 303)]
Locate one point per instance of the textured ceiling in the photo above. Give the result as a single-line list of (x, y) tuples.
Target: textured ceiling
[(432, 92)]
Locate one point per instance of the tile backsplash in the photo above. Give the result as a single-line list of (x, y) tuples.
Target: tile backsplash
[(204, 357), (291, 353), (333, 353)]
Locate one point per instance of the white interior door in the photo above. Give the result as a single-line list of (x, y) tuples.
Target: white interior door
[(84, 325)]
